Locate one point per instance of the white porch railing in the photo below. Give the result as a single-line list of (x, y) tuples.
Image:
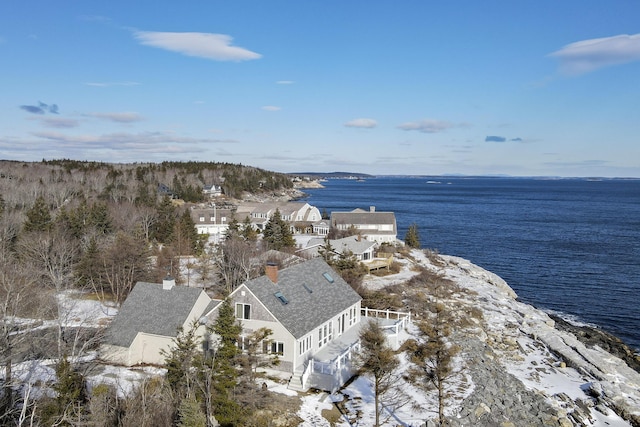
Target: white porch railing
[(403, 316), (339, 368)]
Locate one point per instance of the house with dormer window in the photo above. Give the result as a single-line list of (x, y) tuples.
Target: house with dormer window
[(372, 225), (300, 216), (315, 317), (314, 314)]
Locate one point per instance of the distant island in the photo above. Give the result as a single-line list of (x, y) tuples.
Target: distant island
[(332, 175)]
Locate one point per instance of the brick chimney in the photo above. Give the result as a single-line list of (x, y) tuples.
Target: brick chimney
[(168, 283), (271, 271)]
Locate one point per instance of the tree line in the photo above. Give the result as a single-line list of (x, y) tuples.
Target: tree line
[(67, 225)]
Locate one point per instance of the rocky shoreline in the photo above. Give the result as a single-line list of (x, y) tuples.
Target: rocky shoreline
[(526, 368), (591, 336), (540, 353)]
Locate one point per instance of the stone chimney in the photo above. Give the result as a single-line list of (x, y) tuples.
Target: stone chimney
[(372, 208), (271, 271), (168, 283)]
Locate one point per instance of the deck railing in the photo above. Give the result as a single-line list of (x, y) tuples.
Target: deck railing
[(403, 316)]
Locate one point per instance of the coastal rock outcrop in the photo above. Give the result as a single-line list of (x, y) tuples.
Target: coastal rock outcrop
[(527, 371)]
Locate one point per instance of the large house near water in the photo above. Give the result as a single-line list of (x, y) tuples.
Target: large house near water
[(314, 314), (373, 225)]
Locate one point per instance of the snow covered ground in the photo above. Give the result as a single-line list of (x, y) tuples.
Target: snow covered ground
[(529, 359), (528, 347)]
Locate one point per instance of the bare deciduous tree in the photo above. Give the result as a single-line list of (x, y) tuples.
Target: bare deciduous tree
[(234, 261)]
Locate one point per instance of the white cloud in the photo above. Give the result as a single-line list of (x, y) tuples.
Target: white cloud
[(589, 55), (361, 123), (271, 108), (285, 82), (427, 126), (203, 45), (124, 117)]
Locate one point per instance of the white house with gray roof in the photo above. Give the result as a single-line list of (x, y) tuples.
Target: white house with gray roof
[(373, 225), (149, 320), (314, 315), (362, 249), (300, 216)]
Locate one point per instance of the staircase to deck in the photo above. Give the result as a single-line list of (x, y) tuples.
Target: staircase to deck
[(295, 383)]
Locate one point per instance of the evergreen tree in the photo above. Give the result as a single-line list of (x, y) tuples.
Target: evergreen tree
[(277, 233), (163, 227), (38, 217), (225, 363), (377, 359), (412, 238), (70, 396), (327, 252), (87, 270), (190, 413), (187, 231), (233, 230), (180, 360), (99, 218), (248, 232), (433, 353)]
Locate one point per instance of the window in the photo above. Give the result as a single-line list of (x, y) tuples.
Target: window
[(201, 219), (282, 298), (325, 334), (352, 316), (243, 311), (328, 277), (212, 218), (277, 347), (304, 344)]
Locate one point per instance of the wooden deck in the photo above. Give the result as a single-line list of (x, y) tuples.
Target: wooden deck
[(383, 260)]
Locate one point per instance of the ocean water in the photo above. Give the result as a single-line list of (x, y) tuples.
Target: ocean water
[(571, 246)]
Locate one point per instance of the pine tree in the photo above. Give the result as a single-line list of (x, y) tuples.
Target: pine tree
[(87, 270), (190, 413), (38, 217), (225, 363), (327, 252), (180, 360), (377, 359), (433, 353), (163, 228), (277, 233), (412, 238), (70, 396), (99, 218), (248, 232)]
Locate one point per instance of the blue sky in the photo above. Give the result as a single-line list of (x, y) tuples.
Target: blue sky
[(408, 87)]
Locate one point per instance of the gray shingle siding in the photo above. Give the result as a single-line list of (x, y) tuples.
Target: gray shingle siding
[(305, 310), (152, 310)]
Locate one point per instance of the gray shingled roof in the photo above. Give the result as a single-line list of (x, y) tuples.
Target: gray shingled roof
[(152, 310), (308, 306), (363, 217)]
